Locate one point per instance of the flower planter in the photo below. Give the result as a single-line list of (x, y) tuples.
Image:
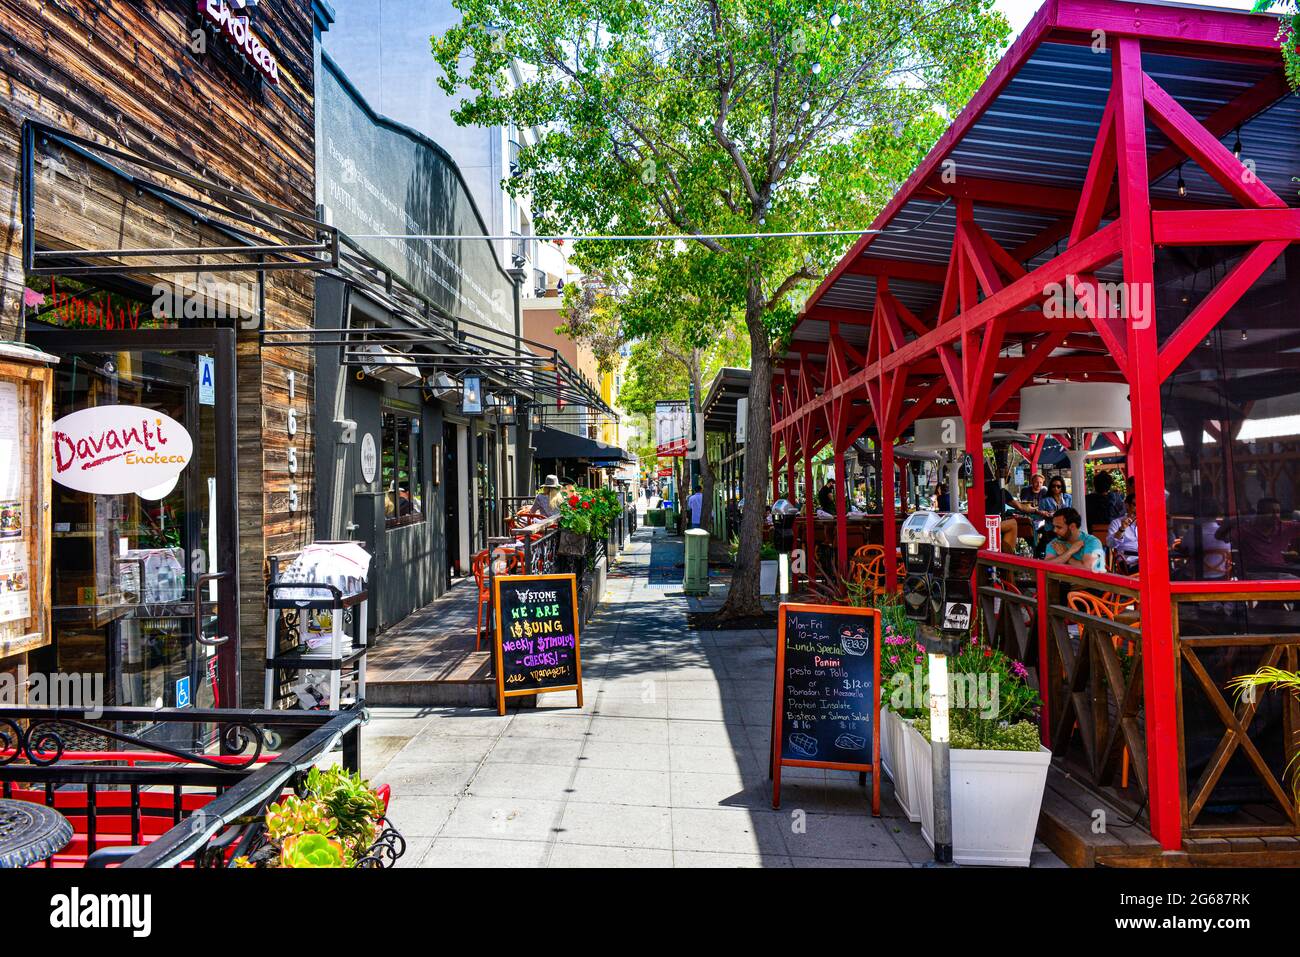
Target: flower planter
[(767, 572), (996, 797), (909, 767), (571, 543), (887, 752)]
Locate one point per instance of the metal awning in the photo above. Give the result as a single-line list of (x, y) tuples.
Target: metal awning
[(719, 406), (554, 444)]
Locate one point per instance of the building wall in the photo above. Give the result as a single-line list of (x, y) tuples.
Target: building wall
[(123, 74)]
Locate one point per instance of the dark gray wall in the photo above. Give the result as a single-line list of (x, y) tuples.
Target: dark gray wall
[(409, 563)]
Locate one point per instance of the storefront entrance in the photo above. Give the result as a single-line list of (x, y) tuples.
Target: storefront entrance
[(145, 582)]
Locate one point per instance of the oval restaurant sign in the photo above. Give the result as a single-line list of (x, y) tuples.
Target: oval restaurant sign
[(120, 449)]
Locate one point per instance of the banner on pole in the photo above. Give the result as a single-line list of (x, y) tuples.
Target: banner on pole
[(672, 428)]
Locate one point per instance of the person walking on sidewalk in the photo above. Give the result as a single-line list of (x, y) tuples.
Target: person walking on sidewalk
[(695, 508)]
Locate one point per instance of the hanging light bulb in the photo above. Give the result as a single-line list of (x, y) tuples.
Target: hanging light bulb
[(762, 221), (835, 19), (1182, 187), (1244, 337), (790, 138), (816, 68), (1236, 147), (781, 165), (804, 106)]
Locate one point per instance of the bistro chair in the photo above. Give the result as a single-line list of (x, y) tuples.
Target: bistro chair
[(514, 559)]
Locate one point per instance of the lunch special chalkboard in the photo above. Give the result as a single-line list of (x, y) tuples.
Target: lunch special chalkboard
[(536, 640), (827, 692)]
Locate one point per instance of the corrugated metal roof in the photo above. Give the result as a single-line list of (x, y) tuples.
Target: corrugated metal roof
[(1040, 129)]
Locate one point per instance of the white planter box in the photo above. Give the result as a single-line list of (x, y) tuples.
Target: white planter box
[(996, 797), (887, 751), (767, 572), (907, 747)]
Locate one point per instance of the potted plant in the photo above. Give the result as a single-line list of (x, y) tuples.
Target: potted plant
[(337, 820), (1276, 678), (901, 666), (767, 569), (999, 766)]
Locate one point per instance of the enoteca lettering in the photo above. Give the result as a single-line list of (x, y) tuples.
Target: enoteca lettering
[(238, 31), (118, 449)]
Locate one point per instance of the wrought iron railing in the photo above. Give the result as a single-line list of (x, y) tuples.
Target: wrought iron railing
[(213, 798)]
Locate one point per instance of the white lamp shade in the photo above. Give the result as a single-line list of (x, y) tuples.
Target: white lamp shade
[(946, 432), (1062, 406)]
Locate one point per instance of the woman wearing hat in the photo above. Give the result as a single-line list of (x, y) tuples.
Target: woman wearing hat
[(547, 502)]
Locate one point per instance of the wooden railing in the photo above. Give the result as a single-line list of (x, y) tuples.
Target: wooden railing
[(1078, 633), (1085, 657), (1258, 733)]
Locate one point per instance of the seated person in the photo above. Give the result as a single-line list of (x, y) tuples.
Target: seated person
[(1263, 541), (1122, 537), (1072, 546), (1103, 505), (547, 502)]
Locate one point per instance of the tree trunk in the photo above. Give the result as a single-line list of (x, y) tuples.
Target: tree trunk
[(744, 600)]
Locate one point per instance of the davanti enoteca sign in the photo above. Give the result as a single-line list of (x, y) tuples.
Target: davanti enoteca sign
[(120, 449)]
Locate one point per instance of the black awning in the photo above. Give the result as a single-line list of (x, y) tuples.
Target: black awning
[(551, 443)]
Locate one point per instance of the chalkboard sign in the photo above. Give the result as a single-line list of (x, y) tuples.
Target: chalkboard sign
[(827, 692), (536, 635)]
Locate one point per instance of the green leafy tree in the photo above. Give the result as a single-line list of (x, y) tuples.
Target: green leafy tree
[(715, 117), (1288, 34)]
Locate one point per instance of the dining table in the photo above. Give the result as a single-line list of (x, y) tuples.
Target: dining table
[(30, 833)]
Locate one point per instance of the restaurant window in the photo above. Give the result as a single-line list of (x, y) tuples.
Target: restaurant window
[(403, 475)]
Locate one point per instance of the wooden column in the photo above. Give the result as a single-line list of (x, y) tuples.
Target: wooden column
[(1158, 660), (887, 508)]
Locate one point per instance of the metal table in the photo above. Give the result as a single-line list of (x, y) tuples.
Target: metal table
[(30, 833)]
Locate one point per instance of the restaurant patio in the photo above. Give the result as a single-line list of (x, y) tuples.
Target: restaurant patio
[(1115, 205)]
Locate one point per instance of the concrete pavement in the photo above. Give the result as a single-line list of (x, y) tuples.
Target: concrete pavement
[(664, 765)]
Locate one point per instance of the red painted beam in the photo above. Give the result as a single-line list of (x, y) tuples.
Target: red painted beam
[(1225, 227), (895, 269)]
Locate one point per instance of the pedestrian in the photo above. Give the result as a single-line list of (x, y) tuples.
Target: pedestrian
[(695, 507)]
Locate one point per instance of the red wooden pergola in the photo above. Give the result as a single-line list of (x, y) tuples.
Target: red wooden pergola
[(1058, 176)]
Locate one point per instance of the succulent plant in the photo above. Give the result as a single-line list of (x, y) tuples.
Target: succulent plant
[(312, 850)]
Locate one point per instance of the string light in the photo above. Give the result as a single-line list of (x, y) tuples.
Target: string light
[(835, 19), (804, 106), (1236, 147), (1182, 187)]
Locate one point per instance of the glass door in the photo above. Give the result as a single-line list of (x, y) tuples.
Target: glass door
[(145, 514)]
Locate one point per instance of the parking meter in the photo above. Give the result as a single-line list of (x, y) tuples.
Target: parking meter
[(939, 553), (784, 513)]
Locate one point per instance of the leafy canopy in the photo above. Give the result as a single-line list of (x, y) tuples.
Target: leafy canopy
[(696, 117)]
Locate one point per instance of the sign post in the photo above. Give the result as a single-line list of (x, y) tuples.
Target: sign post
[(827, 700), (536, 640)]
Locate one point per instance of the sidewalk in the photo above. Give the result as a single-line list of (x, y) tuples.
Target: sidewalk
[(665, 765)]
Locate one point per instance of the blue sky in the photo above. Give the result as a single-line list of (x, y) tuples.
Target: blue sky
[(1020, 12)]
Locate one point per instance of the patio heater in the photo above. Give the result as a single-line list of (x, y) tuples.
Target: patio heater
[(784, 513), (1076, 408), (946, 437)]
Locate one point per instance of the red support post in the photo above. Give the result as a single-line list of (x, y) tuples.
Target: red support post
[(841, 511), (887, 508), (1158, 661)]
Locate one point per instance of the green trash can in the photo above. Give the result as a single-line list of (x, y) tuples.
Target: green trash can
[(696, 579)]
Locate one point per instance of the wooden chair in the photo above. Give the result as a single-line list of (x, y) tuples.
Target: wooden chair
[(479, 565), (863, 559)]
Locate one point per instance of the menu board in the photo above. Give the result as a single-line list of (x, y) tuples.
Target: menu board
[(15, 554), (536, 641), (827, 692)]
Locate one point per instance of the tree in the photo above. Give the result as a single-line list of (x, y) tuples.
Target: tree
[(1288, 34), (707, 117), (666, 311)]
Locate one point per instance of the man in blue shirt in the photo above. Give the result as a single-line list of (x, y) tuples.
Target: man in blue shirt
[(1073, 546), (695, 507)]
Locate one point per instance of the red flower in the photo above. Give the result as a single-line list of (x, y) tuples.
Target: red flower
[(988, 652), (586, 505), (573, 501)]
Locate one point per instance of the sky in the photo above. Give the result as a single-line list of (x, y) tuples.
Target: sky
[(1020, 12)]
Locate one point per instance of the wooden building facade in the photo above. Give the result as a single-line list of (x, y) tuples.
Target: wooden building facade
[(135, 139)]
